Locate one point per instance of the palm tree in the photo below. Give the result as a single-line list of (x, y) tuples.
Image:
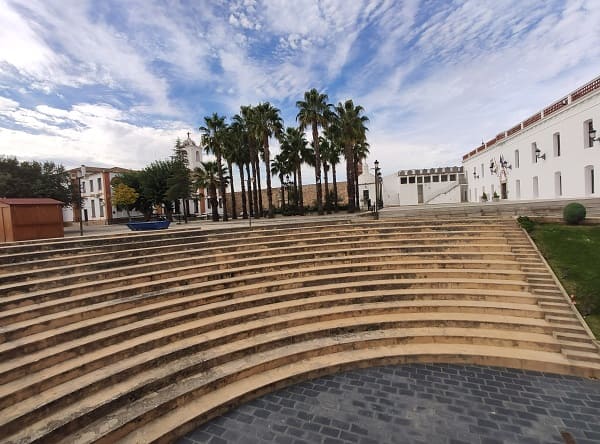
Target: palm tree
[(266, 122), (241, 158), (231, 154), (207, 176), (314, 111), (245, 117), (213, 140), (361, 151), (296, 150), (352, 131), (333, 157), (280, 167)]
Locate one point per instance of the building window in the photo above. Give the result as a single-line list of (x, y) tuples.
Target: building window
[(482, 170), (99, 184), (518, 189), (534, 148), (91, 186), (475, 196), (492, 190), (411, 179), (556, 144), (557, 184), (419, 179), (93, 205), (197, 156), (101, 206), (444, 177), (589, 180), (536, 187), (403, 181), (436, 178), (427, 179), (83, 186), (452, 177), (588, 126), (516, 158)]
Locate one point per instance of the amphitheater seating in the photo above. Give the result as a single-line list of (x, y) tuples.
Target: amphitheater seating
[(142, 337)]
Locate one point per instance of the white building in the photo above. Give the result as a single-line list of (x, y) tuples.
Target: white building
[(96, 193), (552, 154), (415, 187)]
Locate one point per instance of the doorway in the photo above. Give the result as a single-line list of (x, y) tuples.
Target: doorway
[(503, 191), (420, 194)]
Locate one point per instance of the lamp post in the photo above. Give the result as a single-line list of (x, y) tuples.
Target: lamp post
[(593, 137), (80, 174), (376, 189)]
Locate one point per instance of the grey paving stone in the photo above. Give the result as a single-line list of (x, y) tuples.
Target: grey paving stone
[(417, 403)]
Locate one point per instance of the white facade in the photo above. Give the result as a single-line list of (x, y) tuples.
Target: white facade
[(415, 187), (96, 193), (547, 156)]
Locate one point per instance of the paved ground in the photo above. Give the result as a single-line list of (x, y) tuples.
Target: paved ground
[(418, 404)]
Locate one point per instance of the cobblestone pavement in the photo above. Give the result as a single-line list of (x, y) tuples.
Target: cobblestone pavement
[(418, 404)]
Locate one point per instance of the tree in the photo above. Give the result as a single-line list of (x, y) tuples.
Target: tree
[(350, 123), (314, 111), (295, 148), (154, 183), (132, 180), (280, 166), (266, 122), (35, 179), (124, 196), (179, 183), (207, 177), (333, 156), (213, 140)]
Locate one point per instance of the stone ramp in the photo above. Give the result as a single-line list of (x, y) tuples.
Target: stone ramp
[(99, 339)]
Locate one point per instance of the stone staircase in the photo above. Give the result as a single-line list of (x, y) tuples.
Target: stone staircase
[(142, 337)]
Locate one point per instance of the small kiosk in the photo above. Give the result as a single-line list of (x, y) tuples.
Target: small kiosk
[(30, 218)]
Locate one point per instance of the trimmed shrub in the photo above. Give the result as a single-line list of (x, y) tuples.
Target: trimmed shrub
[(574, 213), (525, 223)]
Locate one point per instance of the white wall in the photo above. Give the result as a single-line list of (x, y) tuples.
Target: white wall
[(574, 157)]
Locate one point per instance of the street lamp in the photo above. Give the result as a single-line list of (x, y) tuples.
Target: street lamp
[(80, 174), (593, 137), (376, 189)]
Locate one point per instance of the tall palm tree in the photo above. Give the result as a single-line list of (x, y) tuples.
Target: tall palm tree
[(351, 126), (294, 145), (213, 135), (266, 122), (231, 148), (361, 151), (207, 176), (333, 157), (314, 111), (280, 166), (245, 117), (241, 159)]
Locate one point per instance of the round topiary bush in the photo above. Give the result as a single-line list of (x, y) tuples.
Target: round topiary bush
[(574, 213)]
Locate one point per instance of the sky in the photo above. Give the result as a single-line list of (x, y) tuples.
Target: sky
[(115, 83)]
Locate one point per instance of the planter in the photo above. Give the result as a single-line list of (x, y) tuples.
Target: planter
[(152, 225)]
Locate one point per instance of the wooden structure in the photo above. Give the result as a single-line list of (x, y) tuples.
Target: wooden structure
[(30, 218)]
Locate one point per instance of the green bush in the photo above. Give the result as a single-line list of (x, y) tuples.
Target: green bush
[(574, 213), (525, 223)]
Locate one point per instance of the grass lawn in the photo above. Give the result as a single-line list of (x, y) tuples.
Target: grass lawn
[(573, 252)]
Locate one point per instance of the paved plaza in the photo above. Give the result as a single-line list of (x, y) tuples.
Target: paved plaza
[(418, 404)]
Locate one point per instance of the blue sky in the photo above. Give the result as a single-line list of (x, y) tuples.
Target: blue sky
[(114, 83)]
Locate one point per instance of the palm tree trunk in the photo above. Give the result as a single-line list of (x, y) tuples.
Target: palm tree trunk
[(315, 134), (282, 191), (350, 178), (250, 197), (233, 205), (214, 202), (254, 192), (335, 194), (300, 194), (356, 193), (267, 156), (259, 213), (295, 190), (243, 192), (326, 174), (222, 185)]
